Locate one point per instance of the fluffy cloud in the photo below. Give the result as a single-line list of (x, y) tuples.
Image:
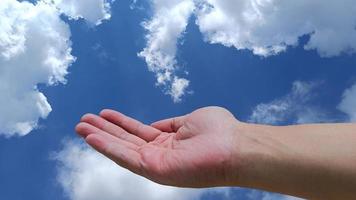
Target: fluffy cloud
[(87, 175), (35, 48), (266, 27), (348, 103), (93, 11), (295, 107), (164, 30)]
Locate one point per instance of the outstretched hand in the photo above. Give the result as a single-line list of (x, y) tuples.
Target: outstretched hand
[(209, 147), (194, 150)]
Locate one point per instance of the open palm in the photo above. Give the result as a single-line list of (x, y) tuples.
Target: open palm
[(194, 150)]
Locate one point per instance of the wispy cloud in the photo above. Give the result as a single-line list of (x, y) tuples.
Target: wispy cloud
[(348, 103), (295, 107), (164, 30)]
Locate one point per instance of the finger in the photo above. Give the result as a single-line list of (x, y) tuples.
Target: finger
[(112, 129), (132, 126), (85, 130), (170, 125), (123, 156)]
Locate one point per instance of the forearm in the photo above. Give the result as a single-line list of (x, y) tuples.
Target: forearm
[(310, 161)]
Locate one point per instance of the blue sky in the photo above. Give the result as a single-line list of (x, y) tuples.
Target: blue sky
[(108, 73)]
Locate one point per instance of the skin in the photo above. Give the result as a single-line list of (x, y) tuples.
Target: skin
[(210, 147)]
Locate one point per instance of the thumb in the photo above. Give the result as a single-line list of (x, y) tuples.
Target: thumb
[(170, 125)]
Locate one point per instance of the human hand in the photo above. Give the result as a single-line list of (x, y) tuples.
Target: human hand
[(209, 147), (195, 150)]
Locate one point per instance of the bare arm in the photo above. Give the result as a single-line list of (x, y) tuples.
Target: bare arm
[(311, 161), (209, 147)]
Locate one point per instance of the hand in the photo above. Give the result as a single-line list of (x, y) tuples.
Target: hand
[(195, 150), (209, 147)]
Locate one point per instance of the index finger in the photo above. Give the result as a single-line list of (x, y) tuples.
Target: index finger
[(133, 126)]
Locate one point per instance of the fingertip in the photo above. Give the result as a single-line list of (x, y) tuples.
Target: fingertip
[(87, 117), (155, 124), (169, 125), (160, 124), (82, 129), (110, 112), (79, 127), (105, 112)]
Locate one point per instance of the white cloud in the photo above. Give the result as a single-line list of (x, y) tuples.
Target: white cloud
[(295, 106), (35, 48), (178, 88), (87, 175), (164, 30), (93, 11), (348, 103), (268, 27)]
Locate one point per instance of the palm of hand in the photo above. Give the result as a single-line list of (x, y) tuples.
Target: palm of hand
[(190, 151)]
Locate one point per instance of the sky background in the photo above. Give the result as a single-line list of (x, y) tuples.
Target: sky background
[(108, 73)]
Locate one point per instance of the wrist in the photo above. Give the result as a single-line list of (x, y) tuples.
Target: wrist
[(254, 154)]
